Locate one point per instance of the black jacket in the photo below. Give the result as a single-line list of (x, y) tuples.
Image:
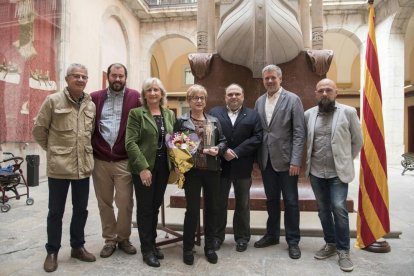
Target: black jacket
[(184, 123), (243, 138)]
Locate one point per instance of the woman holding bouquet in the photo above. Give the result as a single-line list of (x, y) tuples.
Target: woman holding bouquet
[(204, 174), (149, 162)]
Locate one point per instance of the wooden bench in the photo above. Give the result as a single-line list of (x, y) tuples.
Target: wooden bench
[(307, 201), (408, 162)]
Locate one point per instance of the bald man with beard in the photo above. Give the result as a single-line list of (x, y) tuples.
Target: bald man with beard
[(334, 140)]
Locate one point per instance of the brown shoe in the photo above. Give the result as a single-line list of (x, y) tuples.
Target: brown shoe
[(108, 250), (127, 247), (82, 255), (50, 264)]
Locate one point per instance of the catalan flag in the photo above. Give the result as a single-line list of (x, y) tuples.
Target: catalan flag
[(373, 207)]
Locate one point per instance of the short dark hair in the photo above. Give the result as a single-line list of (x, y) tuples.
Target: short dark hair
[(117, 65)]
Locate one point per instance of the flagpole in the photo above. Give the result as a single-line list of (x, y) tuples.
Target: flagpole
[(379, 245)]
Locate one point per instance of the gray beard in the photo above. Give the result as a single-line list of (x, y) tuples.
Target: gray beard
[(326, 106)]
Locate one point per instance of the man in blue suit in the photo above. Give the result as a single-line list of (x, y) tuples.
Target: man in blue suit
[(243, 131), (334, 141), (280, 157)]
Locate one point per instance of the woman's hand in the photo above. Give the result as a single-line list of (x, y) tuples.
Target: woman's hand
[(146, 177), (177, 172), (213, 151)]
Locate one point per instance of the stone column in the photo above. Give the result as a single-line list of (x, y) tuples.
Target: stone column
[(202, 26), (390, 49), (259, 58), (217, 22), (305, 23), (211, 26), (317, 24)]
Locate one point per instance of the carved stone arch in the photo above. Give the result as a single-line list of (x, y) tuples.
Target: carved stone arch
[(400, 22), (356, 37), (160, 39), (350, 34), (398, 30), (115, 13), (403, 25), (152, 41)]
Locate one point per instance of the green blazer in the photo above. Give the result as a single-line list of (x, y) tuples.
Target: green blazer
[(141, 140)]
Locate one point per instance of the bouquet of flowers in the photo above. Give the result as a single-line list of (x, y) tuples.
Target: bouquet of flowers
[(181, 147)]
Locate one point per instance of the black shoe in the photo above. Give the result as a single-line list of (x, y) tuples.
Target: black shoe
[(241, 246), (188, 257), (266, 241), (216, 244), (158, 254), (150, 259), (294, 251), (211, 256)]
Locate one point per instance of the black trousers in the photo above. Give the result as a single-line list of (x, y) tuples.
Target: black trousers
[(149, 200), (241, 217), (209, 181), (58, 192)]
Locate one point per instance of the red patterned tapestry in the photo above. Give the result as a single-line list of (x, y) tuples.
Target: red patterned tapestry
[(29, 33)]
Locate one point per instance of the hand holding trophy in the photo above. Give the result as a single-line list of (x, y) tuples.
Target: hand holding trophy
[(209, 140)]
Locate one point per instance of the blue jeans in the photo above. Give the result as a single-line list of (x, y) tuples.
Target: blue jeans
[(331, 197), (58, 191), (275, 183)]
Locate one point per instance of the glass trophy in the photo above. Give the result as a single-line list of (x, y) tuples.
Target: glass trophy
[(209, 139)]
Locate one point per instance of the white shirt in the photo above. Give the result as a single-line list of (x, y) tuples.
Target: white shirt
[(270, 104), (233, 114)]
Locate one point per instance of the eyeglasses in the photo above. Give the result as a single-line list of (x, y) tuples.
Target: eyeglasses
[(196, 99), (79, 77)]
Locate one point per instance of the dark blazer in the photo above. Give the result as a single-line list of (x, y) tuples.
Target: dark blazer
[(184, 123), (243, 138), (284, 136), (101, 149), (141, 140)]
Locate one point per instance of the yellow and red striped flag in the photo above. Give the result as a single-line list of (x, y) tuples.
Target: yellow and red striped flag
[(373, 207)]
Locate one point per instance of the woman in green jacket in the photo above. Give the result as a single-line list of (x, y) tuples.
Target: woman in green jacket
[(149, 163)]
